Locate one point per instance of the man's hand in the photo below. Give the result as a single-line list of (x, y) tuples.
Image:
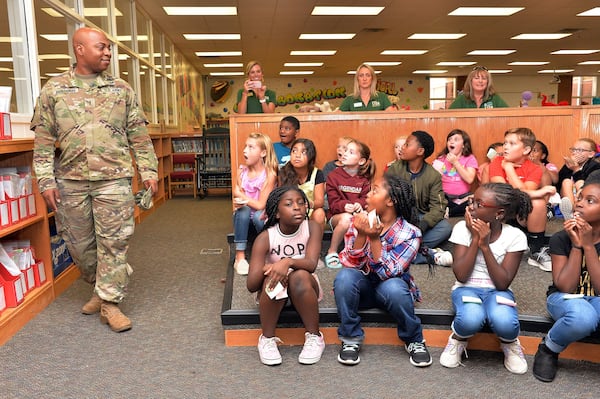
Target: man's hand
[(153, 184), (52, 198)]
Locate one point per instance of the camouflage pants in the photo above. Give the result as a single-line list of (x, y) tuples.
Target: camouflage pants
[(95, 218)]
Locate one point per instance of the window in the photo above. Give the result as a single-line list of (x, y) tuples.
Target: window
[(441, 92), (584, 90)]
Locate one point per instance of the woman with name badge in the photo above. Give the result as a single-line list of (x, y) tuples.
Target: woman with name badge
[(365, 96)]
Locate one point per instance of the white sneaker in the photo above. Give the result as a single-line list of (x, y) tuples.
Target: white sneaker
[(313, 348), (566, 208), (541, 259), (443, 258), (453, 353), (241, 267), (268, 351), (514, 359)]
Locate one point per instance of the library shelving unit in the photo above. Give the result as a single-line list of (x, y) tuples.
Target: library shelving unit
[(186, 143), (214, 166), (19, 152)]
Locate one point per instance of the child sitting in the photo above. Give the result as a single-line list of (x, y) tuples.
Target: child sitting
[(340, 150), (289, 127), (483, 173), (284, 257), (398, 144)]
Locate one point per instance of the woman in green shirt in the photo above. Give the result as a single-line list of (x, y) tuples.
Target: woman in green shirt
[(365, 96), (479, 92), (255, 98)]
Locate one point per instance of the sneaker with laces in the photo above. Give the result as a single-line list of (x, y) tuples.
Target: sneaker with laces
[(453, 353), (443, 258), (268, 351), (349, 354), (313, 348), (545, 363), (241, 267), (419, 355), (566, 208), (541, 259), (514, 359)]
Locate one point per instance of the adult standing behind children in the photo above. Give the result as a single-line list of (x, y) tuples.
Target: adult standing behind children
[(429, 193), (289, 127), (96, 120), (365, 96), (478, 91), (254, 97)]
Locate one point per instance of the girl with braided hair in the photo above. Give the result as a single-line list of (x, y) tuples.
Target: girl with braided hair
[(284, 257), (376, 258), (487, 253)]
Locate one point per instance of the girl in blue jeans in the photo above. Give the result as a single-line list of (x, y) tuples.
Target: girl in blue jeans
[(376, 259), (487, 254), (573, 298)]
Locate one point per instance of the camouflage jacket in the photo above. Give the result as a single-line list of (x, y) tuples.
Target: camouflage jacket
[(97, 125)]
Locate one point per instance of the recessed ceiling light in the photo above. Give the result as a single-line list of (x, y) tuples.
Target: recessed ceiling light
[(87, 11), (59, 37), (592, 12), (326, 36), (6, 59), (383, 63), (226, 73), (403, 52), (310, 52), (528, 63), (437, 36), (230, 65), (500, 70), (589, 63), (303, 64), (54, 57), (140, 38), (429, 71), (200, 10), (346, 10), (353, 72), (556, 70), (11, 39), (212, 36), (541, 36), (4, 69), (218, 53), (296, 72), (574, 52), (455, 63), (485, 11), (491, 52)]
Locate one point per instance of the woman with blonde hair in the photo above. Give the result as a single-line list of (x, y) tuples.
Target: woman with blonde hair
[(365, 96), (254, 97)]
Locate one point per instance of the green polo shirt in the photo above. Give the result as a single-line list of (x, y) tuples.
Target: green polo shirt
[(377, 103), (495, 101), (254, 107)]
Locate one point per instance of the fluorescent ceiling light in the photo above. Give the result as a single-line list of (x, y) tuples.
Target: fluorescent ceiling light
[(24, 79), (140, 38), (556, 70), (63, 68), (218, 53), (589, 63), (346, 10), (311, 52), (226, 73), (4, 69), (455, 63), (200, 10), (303, 64), (383, 63), (592, 12), (59, 37), (500, 70), (123, 57), (429, 71), (354, 72), (42, 57), (230, 65), (574, 52), (326, 36), (485, 11), (403, 52), (528, 63), (491, 52), (541, 36), (296, 72), (437, 36), (87, 11), (212, 36), (9, 39), (6, 59)]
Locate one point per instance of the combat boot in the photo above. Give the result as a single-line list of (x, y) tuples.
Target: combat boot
[(111, 314), (93, 305)]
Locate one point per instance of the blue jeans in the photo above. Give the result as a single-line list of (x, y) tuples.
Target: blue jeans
[(241, 224), (353, 290), (574, 319), (471, 317), (434, 237)]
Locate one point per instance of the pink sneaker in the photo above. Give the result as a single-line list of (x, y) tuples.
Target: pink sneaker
[(314, 345), (267, 350)]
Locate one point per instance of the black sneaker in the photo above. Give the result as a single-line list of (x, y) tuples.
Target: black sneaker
[(545, 364), (349, 354), (419, 355)]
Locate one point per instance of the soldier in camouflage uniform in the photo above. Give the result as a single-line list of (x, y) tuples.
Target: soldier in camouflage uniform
[(97, 122)]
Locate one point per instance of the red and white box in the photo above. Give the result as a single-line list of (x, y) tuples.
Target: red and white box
[(2, 299), (39, 273), (4, 214), (31, 211), (13, 288)]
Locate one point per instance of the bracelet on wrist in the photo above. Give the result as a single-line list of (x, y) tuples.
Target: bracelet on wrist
[(576, 247)]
